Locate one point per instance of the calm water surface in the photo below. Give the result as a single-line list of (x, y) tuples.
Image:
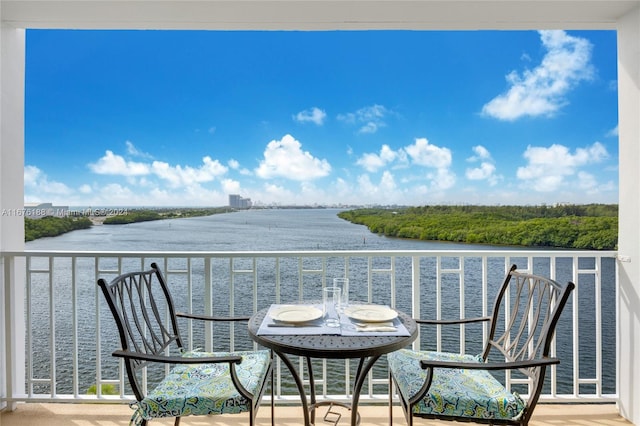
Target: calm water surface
[(303, 229)]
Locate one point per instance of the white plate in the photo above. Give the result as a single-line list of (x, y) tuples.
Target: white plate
[(370, 313), (295, 314)]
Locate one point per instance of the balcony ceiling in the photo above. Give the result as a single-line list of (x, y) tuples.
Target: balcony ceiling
[(315, 14)]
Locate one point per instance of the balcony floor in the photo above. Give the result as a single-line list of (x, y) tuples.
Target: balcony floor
[(34, 414)]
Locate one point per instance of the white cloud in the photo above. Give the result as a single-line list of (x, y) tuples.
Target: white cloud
[(31, 175), (230, 186), (481, 152), (313, 115), (184, 176), (277, 194), (548, 168), (132, 150), (156, 183), (587, 182), (285, 158), (38, 187), (591, 186), (372, 162), (486, 170), (425, 154), (384, 190), (117, 194), (613, 132), (370, 127), (370, 118), (543, 90), (421, 153), (235, 165), (111, 164), (192, 195), (483, 172), (442, 180)]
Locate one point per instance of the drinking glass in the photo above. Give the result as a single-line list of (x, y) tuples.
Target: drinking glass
[(342, 283), (330, 300)]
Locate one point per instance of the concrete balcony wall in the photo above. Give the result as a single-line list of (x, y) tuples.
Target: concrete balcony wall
[(629, 220), (12, 53)]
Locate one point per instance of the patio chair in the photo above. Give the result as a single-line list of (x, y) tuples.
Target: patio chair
[(462, 387), (198, 383)]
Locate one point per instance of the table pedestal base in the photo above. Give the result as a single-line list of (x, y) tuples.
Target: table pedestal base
[(330, 416)]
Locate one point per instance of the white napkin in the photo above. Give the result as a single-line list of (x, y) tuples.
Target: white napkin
[(357, 328), (376, 326)]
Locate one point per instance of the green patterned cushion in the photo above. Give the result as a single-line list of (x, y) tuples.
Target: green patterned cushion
[(453, 392), (199, 389)]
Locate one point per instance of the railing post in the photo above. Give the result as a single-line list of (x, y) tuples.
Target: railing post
[(415, 294), (208, 304)]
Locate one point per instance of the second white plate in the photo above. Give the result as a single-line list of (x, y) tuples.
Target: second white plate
[(370, 313), (295, 313)]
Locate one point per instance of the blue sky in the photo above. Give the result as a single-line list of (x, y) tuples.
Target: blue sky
[(185, 118)]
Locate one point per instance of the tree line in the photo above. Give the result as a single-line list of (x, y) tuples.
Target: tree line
[(51, 226), (590, 226), (144, 215)]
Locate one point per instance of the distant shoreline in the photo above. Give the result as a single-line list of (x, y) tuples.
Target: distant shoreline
[(97, 220)]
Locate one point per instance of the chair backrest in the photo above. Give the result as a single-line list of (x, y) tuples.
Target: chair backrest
[(145, 316), (524, 319)]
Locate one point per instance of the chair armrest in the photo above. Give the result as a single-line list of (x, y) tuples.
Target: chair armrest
[(508, 365), (210, 318), (236, 359), (455, 321)]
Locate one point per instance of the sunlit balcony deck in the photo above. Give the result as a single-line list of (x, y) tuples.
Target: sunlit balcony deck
[(51, 414)]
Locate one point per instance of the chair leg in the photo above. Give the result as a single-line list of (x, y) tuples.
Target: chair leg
[(390, 399), (177, 421), (273, 410)]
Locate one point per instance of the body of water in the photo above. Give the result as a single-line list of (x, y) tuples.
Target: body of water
[(276, 229)]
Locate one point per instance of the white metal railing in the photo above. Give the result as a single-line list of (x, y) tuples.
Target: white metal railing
[(69, 334)]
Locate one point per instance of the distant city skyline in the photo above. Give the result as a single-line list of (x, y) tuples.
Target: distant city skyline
[(186, 118)]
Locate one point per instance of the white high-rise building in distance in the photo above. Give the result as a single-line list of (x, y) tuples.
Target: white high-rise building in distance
[(237, 202)]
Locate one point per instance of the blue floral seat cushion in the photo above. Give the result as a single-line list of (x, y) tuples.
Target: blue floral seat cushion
[(453, 392), (200, 389)]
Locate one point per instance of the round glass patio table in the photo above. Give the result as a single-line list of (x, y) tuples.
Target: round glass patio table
[(367, 349)]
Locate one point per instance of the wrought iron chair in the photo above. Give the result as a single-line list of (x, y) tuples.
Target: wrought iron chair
[(461, 387), (199, 383)]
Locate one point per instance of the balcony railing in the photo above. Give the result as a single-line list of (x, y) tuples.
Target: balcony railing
[(69, 334)]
